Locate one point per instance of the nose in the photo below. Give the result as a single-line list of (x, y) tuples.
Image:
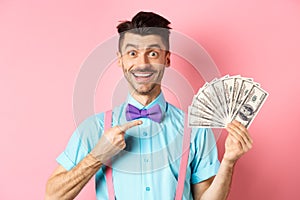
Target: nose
[(143, 60)]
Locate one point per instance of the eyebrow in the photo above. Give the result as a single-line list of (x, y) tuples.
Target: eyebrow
[(131, 45), (148, 47), (154, 46)]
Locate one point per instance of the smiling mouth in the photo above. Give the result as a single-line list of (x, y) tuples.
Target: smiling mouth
[(142, 75)]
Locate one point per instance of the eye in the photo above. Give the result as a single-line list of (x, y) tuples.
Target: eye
[(132, 53), (153, 54)]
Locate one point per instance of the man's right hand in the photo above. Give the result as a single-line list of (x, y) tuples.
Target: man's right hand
[(112, 141)]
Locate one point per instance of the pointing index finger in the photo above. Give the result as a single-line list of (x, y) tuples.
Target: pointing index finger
[(128, 125)]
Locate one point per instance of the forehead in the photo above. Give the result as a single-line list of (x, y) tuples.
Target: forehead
[(142, 41)]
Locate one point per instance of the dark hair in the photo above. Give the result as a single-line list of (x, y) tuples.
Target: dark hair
[(146, 23)]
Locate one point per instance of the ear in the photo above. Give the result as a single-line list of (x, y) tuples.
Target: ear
[(119, 62), (168, 59)]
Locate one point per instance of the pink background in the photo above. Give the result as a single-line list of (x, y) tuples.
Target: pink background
[(43, 44)]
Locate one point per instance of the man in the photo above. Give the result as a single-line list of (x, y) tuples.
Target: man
[(145, 150)]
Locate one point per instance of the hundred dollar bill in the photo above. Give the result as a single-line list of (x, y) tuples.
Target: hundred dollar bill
[(228, 85), (236, 90), (243, 93), (222, 100), (202, 99), (211, 94), (251, 105), (203, 113), (195, 121), (220, 92)]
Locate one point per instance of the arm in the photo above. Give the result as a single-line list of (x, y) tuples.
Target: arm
[(65, 184), (237, 143)]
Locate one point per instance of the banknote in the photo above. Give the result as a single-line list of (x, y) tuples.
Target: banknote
[(236, 89), (199, 122), (224, 99), (212, 96), (245, 89), (228, 84), (203, 113), (220, 92), (203, 101), (250, 106)]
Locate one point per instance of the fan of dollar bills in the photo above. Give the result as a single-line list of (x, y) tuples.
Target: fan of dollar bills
[(222, 100)]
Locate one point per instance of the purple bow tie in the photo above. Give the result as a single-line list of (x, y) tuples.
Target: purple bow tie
[(153, 113)]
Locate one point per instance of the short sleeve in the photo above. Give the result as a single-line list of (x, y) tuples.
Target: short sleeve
[(82, 141), (205, 163)]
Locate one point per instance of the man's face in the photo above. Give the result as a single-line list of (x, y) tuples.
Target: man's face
[(143, 60)]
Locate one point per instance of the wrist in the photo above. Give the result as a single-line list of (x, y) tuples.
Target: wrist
[(228, 163), (93, 160)]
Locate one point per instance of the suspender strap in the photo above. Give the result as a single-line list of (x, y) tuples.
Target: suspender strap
[(184, 161), (109, 180)]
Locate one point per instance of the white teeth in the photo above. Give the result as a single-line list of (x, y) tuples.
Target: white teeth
[(142, 75)]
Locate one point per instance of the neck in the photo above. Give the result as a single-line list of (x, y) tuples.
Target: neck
[(145, 99)]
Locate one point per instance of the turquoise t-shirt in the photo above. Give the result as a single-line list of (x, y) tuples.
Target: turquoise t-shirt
[(148, 167)]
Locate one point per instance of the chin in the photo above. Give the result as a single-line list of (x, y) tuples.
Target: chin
[(146, 90), (143, 92)]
